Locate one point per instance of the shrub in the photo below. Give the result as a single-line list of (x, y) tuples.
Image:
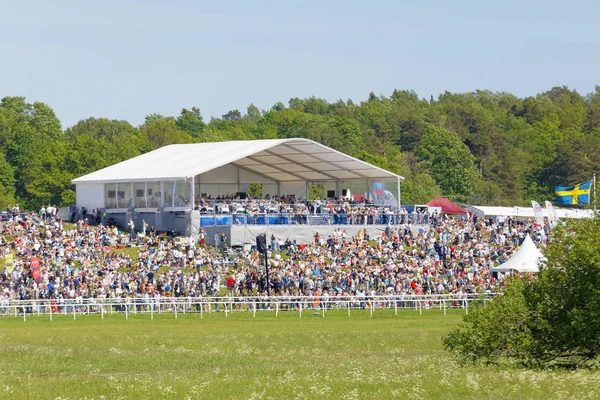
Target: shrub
[(553, 319)]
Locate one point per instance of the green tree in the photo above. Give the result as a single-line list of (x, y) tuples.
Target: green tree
[(150, 118), (450, 162), (232, 115), (351, 138), (97, 143), (593, 112), (551, 320), (7, 183), (255, 190), (315, 190), (35, 149), (162, 133), (500, 330), (190, 121), (252, 111)]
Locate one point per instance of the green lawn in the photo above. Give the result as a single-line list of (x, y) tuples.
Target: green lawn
[(215, 357)]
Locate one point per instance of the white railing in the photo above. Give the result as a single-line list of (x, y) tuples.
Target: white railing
[(319, 305)]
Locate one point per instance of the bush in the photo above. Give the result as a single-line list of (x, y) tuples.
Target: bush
[(553, 319)]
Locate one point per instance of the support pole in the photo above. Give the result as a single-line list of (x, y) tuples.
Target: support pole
[(399, 202), (193, 192), (267, 267), (595, 198), (50, 312)]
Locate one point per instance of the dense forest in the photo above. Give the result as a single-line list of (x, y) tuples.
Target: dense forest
[(480, 148)]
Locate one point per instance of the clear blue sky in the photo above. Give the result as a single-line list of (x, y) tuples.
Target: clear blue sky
[(126, 59)]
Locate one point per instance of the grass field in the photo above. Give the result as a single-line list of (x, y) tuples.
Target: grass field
[(357, 357)]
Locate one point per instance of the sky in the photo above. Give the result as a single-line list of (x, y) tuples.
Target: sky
[(126, 59)]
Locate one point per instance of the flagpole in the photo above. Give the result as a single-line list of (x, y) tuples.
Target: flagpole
[(595, 198)]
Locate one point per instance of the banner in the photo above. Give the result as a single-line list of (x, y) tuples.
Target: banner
[(378, 191), (35, 270), (9, 262), (537, 212), (551, 213)]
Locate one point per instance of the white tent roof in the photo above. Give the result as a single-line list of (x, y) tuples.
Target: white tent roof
[(526, 212), (526, 259), (277, 159)]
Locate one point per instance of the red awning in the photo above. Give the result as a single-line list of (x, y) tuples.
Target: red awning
[(447, 206)]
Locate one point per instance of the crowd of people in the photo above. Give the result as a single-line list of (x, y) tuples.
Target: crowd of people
[(292, 211), (82, 261)]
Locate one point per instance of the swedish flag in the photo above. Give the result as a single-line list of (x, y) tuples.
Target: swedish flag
[(578, 194)]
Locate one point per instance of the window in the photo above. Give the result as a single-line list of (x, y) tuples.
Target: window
[(110, 195), (153, 194)]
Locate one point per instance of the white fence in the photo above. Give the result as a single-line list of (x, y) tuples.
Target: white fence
[(317, 305)]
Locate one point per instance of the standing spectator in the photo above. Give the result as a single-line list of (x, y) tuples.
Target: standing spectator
[(317, 206), (231, 285), (223, 240), (73, 212)]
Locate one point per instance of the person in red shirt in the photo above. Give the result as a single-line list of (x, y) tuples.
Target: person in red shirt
[(231, 285)]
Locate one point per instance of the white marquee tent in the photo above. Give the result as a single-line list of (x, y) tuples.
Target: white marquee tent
[(173, 177), (526, 259), (526, 212)]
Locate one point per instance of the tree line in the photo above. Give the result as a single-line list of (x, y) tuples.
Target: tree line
[(483, 147)]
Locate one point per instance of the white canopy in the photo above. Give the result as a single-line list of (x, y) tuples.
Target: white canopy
[(526, 259), (280, 160), (526, 212)]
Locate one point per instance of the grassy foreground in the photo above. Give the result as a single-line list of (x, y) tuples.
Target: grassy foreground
[(355, 357)]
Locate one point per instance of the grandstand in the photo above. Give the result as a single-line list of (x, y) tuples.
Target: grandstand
[(183, 187)]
